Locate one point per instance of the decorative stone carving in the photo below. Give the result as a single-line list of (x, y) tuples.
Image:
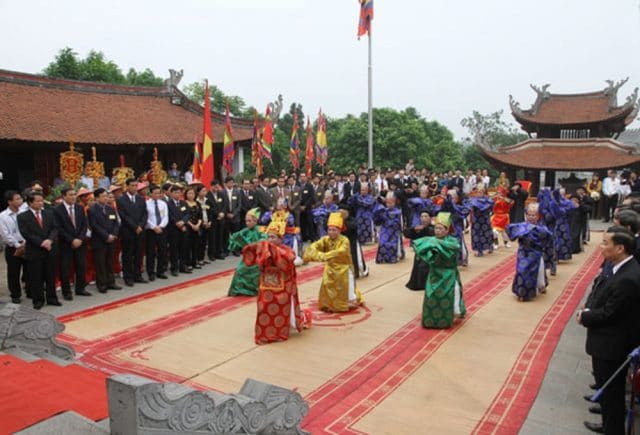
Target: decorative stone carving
[(515, 106), (139, 406), (543, 95), (174, 78), (611, 91), (276, 109), (31, 331)]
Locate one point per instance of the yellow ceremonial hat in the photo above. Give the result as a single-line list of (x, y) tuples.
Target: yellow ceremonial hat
[(336, 220), (276, 227), (443, 218), (255, 212)]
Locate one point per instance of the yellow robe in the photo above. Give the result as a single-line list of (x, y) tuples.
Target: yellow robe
[(338, 292)]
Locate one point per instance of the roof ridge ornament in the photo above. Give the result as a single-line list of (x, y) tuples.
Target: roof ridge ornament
[(515, 106), (543, 95), (174, 78), (611, 91), (276, 109)]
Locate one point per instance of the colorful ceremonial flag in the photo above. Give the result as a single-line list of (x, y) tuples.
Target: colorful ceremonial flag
[(308, 162), (321, 140), (197, 164), (228, 150), (267, 135), (208, 173), (256, 157), (295, 144), (366, 16)]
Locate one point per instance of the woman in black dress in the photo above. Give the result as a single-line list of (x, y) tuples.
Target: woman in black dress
[(418, 279), (193, 227)]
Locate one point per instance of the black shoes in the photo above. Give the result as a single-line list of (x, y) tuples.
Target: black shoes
[(594, 427), (115, 287), (67, 296), (162, 276), (38, 305), (102, 290), (15, 300), (185, 271), (83, 293), (54, 302), (152, 278), (128, 283), (593, 386), (595, 409), (174, 273), (141, 280), (588, 397)]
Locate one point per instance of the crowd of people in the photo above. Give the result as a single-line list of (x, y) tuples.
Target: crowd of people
[(139, 229)]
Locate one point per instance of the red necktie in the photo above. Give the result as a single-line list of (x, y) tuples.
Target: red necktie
[(39, 219)]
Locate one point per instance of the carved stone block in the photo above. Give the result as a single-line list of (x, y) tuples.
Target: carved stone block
[(31, 331), (139, 406)]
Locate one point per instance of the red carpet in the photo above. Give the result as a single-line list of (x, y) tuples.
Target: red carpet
[(35, 391)]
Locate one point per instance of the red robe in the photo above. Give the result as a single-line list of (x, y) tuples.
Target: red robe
[(278, 291), (500, 217)]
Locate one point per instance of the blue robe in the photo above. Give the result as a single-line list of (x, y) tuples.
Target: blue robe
[(292, 237), (481, 231), (533, 240), (564, 245), (363, 205), (321, 216), (550, 212), (417, 206), (390, 248), (458, 215)]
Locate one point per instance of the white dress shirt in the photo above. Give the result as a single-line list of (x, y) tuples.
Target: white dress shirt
[(9, 232), (151, 214), (610, 186)]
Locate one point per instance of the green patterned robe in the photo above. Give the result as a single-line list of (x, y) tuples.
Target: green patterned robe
[(245, 279), (442, 301)]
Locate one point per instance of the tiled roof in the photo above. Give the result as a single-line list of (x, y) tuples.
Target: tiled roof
[(565, 154), (630, 137), (574, 109), (35, 108)]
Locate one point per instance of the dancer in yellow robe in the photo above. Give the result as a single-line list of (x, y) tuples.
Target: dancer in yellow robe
[(338, 292)]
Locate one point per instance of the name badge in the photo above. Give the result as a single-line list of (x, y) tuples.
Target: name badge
[(206, 207), (305, 191), (112, 217), (234, 197), (295, 193), (219, 200), (250, 197), (183, 208)]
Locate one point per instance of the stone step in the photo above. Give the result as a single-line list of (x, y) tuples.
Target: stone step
[(65, 423)]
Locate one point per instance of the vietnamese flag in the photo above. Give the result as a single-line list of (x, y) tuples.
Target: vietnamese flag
[(208, 173)]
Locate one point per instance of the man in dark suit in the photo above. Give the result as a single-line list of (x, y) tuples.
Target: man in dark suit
[(612, 318), (105, 228), (72, 234), (214, 244), (177, 231), (349, 187), (38, 228), (263, 198), (457, 181), (133, 215), (294, 199), (307, 227), (280, 191), (231, 204), (247, 200)]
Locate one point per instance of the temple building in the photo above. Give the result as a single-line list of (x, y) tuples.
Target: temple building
[(40, 116), (570, 133)]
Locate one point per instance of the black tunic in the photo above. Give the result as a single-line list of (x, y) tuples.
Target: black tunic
[(420, 271), (516, 214)]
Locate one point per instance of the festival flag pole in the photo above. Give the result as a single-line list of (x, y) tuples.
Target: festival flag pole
[(364, 27)]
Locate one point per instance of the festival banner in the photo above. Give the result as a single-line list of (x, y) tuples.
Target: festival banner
[(322, 151), (295, 144), (208, 172), (308, 163), (256, 153), (228, 148), (267, 135), (366, 16), (197, 164)]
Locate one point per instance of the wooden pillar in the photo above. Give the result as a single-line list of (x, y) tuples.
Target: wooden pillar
[(45, 166)]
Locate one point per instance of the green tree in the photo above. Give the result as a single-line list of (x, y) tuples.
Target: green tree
[(491, 130), (218, 99), (95, 67)]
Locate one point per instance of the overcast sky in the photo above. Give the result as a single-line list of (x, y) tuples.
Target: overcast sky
[(446, 58)]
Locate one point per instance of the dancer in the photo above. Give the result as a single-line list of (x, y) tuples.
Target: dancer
[(360, 268), (420, 270), (389, 217), (338, 292), (322, 212), (292, 237), (533, 241), (458, 214), (481, 232), (363, 204), (245, 279), (500, 219), (278, 301), (420, 204), (443, 293), (563, 229), (550, 213)]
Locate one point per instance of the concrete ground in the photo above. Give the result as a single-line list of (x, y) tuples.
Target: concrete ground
[(559, 407)]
